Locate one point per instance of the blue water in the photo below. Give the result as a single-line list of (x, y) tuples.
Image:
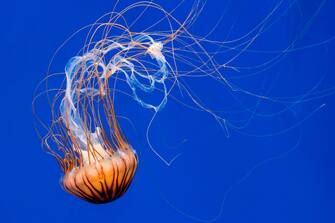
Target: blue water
[(277, 165)]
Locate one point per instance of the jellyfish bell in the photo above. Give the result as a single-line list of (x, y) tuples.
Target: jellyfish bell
[(101, 179)]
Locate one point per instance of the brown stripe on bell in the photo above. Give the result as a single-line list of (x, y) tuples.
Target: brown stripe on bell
[(104, 178)]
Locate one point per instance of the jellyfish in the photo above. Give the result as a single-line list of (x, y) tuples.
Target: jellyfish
[(97, 161), (85, 137), (152, 63), (97, 167)]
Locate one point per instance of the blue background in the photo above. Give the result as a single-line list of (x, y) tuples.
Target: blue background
[(278, 168)]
